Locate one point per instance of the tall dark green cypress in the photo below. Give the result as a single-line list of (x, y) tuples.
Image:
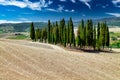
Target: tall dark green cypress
[(78, 37), (48, 32), (87, 33), (102, 35), (94, 38), (91, 33), (82, 33), (37, 34), (68, 32), (107, 37), (71, 31), (62, 25), (64, 36), (57, 32), (44, 35), (98, 31), (98, 42), (32, 32)]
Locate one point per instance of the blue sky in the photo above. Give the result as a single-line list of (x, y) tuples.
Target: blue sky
[(15, 11)]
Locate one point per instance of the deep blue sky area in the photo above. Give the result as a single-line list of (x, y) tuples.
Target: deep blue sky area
[(14, 11)]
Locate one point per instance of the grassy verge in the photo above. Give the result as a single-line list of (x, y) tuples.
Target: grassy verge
[(115, 44), (19, 37)]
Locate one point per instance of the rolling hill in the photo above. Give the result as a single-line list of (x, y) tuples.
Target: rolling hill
[(23, 27)]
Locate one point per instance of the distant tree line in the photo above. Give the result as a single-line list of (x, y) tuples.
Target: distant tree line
[(88, 36)]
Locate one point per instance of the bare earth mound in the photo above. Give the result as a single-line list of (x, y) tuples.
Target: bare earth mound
[(24, 60)]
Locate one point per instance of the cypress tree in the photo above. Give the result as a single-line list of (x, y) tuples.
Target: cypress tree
[(71, 31), (64, 36), (91, 33), (107, 37), (102, 35), (52, 34), (78, 37), (84, 43), (62, 25), (74, 40), (98, 31), (57, 32), (87, 33), (44, 35), (32, 32), (94, 38), (48, 34), (98, 36), (68, 32), (37, 34), (82, 33)]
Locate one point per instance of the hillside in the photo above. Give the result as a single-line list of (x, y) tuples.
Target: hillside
[(26, 60), (23, 27), (20, 27)]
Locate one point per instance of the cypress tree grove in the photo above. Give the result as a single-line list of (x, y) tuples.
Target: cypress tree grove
[(32, 32), (87, 35)]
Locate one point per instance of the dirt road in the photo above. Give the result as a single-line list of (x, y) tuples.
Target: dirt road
[(25, 60)]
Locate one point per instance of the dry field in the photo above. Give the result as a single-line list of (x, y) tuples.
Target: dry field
[(25, 60), (115, 29)]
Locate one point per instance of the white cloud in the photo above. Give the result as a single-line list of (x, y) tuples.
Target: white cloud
[(114, 14), (26, 4), (86, 2), (63, 0), (74, 1), (69, 10), (60, 9), (116, 3), (53, 10), (6, 21), (50, 2), (20, 4)]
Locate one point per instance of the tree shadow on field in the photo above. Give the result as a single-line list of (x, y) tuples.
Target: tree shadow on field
[(107, 51), (83, 50)]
